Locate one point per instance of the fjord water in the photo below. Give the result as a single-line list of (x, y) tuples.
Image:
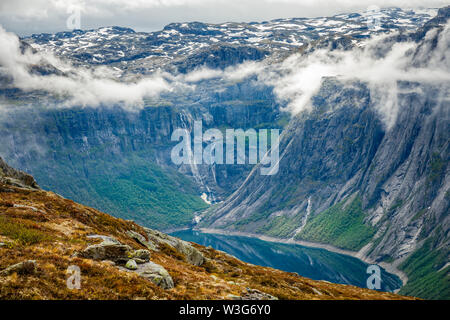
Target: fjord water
[(314, 263)]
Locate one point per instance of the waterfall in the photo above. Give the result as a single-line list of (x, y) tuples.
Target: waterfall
[(186, 119), (304, 220)]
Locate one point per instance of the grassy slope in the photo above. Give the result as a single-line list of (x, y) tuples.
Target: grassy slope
[(340, 226), (427, 276)]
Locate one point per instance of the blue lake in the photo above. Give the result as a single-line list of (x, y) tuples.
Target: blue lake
[(314, 263)]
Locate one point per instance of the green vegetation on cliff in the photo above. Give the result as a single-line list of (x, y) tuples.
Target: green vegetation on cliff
[(341, 225), (428, 273)]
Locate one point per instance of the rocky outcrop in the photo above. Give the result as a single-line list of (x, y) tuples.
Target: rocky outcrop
[(140, 256), (125, 258), (157, 238), (253, 294), (439, 21), (220, 56), (138, 261), (193, 256), (22, 268), (339, 151), (139, 238), (156, 274), (107, 250), (11, 176)]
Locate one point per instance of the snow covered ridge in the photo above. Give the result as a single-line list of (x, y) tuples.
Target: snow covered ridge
[(145, 52)]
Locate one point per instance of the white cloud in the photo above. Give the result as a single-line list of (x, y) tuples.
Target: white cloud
[(99, 86), (297, 79), (232, 73), (201, 74), (80, 86)]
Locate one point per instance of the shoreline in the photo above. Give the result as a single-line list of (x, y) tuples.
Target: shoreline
[(386, 266), (172, 230)]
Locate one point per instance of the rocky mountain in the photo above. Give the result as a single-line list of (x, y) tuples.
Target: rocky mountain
[(348, 177), (122, 163), (119, 140), (44, 239), (191, 43), (15, 177)]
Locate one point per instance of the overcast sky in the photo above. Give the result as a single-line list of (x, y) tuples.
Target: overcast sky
[(25, 17)]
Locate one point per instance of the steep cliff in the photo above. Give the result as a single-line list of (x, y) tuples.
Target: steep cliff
[(349, 179), (9, 175)]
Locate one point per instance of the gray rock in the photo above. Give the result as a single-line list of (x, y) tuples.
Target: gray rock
[(155, 273), (193, 256), (400, 174), (106, 250), (131, 265), (140, 256), (253, 294), (17, 178), (139, 261), (25, 267), (139, 238)]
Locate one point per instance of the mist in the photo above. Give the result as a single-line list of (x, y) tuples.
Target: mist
[(295, 80), (81, 86)]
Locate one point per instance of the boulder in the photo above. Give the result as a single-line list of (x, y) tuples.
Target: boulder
[(253, 294), (155, 273), (139, 238), (140, 256), (25, 267), (17, 178), (106, 250), (193, 256), (131, 265)]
